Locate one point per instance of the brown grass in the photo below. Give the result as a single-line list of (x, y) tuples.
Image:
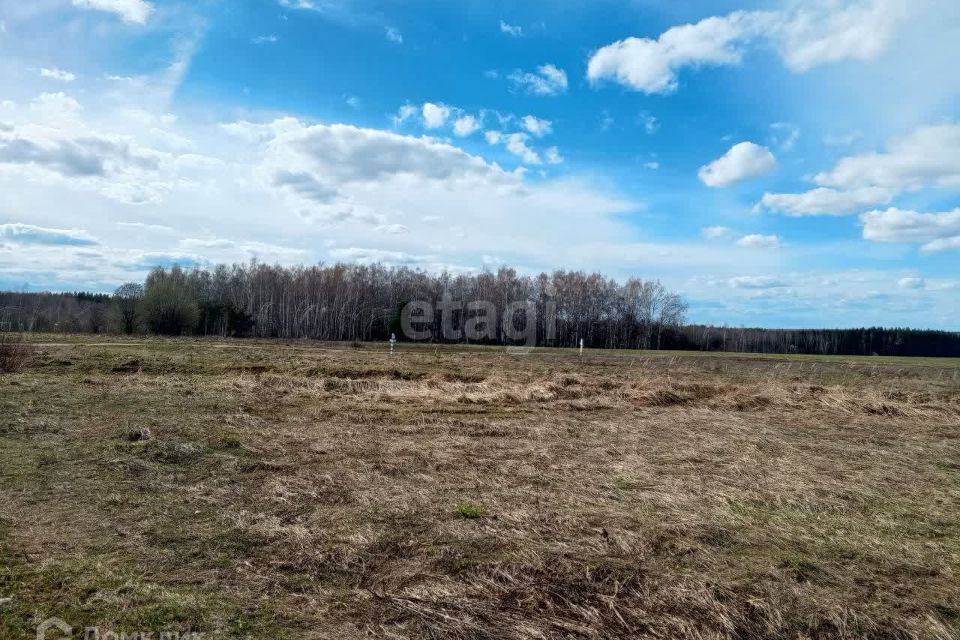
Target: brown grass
[(15, 354), (303, 491)]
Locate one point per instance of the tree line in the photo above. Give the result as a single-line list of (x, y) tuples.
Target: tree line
[(365, 303), (360, 303)]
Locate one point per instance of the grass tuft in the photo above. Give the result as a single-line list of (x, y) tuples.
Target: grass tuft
[(469, 510)]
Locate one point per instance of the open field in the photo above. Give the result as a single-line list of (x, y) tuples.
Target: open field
[(298, 490)]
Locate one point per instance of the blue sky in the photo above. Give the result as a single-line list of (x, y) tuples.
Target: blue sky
[(778, 163)]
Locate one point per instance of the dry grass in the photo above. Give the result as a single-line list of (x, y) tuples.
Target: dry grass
[(274, 490), (15, 354)]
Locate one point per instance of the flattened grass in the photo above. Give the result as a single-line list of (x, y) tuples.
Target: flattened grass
[(319, 491)]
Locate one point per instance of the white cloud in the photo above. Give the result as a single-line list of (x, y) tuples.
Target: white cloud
[(549, 80), (466, 126), (927, 157), (938, 231), (322, 169), (537, 126), (652, 165), (53, 144), (438, 115), (393, 35), (943, 244), (553, 156), (58, 74), (757, 241), (743, 161), (517, 145), (266, 39), (651, 66), (28, 234), (823, 201), (912, 283), (815, 33), (134, 11), (435, 115), (405, 112), (511, 30), (493, 137), (348, 179), (824, 32), (717, 232)]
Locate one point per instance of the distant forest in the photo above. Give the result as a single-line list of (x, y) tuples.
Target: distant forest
[(364, 303)]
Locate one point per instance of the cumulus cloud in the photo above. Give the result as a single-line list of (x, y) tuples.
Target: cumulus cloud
[(758, 241), (517, 145), (743, 161), (466, 125), (651, 65), (549, 80), (28, 234), (66, 150), (364, 183), (537, 126), (824, 32), (133, 11), (406, 112), (435, 115), (927, 157), (937, 231), (438, 115), (815, 33), (317, 167)]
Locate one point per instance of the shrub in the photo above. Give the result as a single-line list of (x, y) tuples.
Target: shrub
[(15, 354)]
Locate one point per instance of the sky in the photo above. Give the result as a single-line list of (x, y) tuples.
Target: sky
[(779, 164)]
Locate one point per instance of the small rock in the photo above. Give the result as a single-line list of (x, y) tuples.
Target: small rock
[(4, 601), (139, 435)]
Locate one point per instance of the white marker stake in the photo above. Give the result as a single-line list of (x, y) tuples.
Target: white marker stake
[(581, 347), (393, 341)]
